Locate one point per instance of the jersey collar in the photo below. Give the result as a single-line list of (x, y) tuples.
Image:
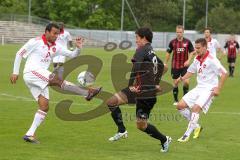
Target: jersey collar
[(46, 42), (202, 59), (210, 39), (61, 31)]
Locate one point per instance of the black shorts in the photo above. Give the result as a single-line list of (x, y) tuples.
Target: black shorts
[(231, 60), (144, 107), (176, 73)]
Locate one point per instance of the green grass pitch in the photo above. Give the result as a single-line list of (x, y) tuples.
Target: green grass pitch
[(88, 140)]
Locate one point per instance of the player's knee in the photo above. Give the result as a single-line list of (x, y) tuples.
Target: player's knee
[(44, 108), (112, 101), (141, 125), (181, 105)]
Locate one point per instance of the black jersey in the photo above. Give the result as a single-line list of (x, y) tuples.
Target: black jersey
[(147, 68)]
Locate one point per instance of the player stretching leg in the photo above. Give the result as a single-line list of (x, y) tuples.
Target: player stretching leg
[(39, 52)]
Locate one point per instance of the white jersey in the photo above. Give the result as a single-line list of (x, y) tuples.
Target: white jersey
[(213, 45), (63, 38), (207, 71), (39, 54)]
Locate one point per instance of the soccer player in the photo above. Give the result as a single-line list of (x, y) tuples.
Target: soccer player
[(208, 68), (213, 44), (232, 48), (39, 52), (183, 51), (143, 85), (63, 39)]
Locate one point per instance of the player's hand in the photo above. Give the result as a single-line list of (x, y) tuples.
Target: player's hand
[(79, 42), (134, 89), (178, 80), (215, 91), (13, 78), (186, 63)]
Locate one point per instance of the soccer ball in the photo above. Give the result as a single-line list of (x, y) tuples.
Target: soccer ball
[(86, 78)]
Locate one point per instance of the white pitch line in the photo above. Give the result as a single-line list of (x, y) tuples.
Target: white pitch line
[(16, 98)]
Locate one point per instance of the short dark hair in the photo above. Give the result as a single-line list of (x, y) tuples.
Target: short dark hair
[(145, 32), (202, 41), (208, 28), (51, 25)]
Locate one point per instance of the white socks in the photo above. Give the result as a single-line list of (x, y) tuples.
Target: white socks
[(38, 119), (193, 123), (186, 113)]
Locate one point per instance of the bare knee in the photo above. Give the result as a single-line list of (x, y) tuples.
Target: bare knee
[(113, 101), (141, 124), (181, 105), (43, 103), (55, 81), (196, 109)]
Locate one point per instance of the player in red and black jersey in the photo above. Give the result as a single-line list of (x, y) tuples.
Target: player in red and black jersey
[(182, 51), (143, 86), (232, 48)]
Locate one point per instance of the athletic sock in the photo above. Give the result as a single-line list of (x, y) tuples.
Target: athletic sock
[(38, 119), (185, 89), (68, 86), (152, 131), (186, 113), (175, 94), (193, 123), (117, 117)]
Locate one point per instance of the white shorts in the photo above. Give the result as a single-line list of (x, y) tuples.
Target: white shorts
[(200, 96), (59, 59), (37, 82)]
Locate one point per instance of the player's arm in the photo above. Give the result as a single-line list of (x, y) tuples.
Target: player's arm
[(70, 42), (222, 72), (192, 53), (237, 46), (74, 53), (225, 48), (22, 53), (168, 54)]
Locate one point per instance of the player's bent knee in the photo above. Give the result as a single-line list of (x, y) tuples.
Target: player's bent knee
[(141, 125), (181, 105), (196, 108), (112, 101)]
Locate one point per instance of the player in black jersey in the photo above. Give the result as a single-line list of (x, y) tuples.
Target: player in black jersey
[(143, 87)]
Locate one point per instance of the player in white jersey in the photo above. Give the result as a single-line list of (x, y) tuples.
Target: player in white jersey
[(213, 45), (64, 39), (207, 68), (39, 52)]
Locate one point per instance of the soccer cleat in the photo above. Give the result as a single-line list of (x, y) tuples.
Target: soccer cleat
[(175, 103), (118, 136), (30, 139), (92, 93), (197, 132), (184, 138), (166, 145)]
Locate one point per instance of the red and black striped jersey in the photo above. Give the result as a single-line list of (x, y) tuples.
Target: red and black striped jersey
[(231, 47), (180, 50)]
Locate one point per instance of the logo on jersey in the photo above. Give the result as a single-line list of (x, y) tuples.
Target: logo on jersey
[(54, 49), (185, 45), (180, 50)]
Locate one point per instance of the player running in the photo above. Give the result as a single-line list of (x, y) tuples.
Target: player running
[(143, 85), (207, 68), (232, 48), (39, 52), (183, 51)]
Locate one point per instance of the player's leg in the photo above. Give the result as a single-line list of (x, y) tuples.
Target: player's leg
[(185, 82), (68, 86), (232, 66), (175, 75), (113, 104), (38, 119), (184, 109), (143, 110)]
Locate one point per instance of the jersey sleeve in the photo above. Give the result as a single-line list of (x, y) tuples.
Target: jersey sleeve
[(23, 52), (170, 47), (218, 68), (190, 47), (193, 67), (69, 37)]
